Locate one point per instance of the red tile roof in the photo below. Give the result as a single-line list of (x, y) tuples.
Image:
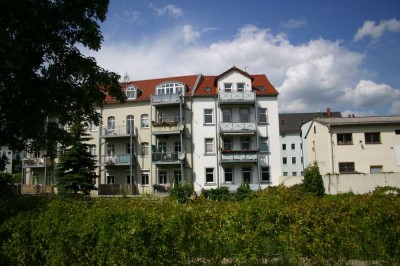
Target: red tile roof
[(147, 87)]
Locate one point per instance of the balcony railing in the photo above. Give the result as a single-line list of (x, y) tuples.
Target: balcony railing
[(238, 127), (165, 157), (166, 127), (239, 156), (36, 162), (165, 99), (236, 97), (119, 131), (119, 159)]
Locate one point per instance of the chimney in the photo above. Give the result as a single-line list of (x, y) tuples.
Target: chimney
[(328, 112)]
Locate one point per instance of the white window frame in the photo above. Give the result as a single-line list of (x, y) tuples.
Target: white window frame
[(229, 172), (207, 115), (131, 92), (145, 179), (162, 177), (111, 123), (170, 88), (227, 113), (240, 86), (263, 142), (209, 146), (209, 170), (144, 121), (130, 120), (265, 170), (242, 113), (144, 149), (228, 87), (262, 116), (246, 170)]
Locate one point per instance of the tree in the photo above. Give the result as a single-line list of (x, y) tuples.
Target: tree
[(313, 182), (43, 73), (75, 172)]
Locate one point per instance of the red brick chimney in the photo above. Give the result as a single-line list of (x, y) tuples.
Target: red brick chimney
[(328, 112)]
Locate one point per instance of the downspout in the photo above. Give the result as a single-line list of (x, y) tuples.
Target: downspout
[(100, 134), (216, 137), (181, 135), (330, 139)]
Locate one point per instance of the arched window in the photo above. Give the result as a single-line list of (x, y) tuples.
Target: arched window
[(111, 123), (170, 88), (130, 124), (130, 92)]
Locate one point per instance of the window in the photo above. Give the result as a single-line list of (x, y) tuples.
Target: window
[(373, 138), (302, 160), (162, 117), (346, 168), (284, 160), (162, 146), (208, 116), (111, 150), (145, 179), (293, 146), (177, 176), (145, 149), (177, 117), (265, 174), (207, 89), (130, 92), (284, 147), (244, 115), (294, 173), (261, 88), (130, 148), (226, 115), (375, 169), (263, 144), (227, 144), (177, 146), (240, 86), (209, 145), (128, 178), (228, 87), (315, 130), (144, 121), (245, 143), (397, 131), (209, 175), (110, 178), (93, 150), (301, 146), (130, 124), (228, 175), (293, 160), (111, 123), (262, 115), (93, 127), (170, 88), (246, 174), (344, 138), (162, 177), (284, 173)]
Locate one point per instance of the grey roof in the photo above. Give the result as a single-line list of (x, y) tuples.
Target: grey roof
[(365, 120), (292, 122)]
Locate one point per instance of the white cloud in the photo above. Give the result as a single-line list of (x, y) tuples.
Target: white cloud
[(375, 31), (190, 36), (294, 23), (133, 16), (171, 10), (395, 108), (309, 76)]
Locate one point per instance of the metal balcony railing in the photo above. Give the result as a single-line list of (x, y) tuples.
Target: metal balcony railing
[(240, 156), (118, 131), (165, 157), (36, 162), (238, 127), (165, 99), (236, 97), (119, 159)]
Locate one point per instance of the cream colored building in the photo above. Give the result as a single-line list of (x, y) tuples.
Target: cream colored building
[(354, 144)]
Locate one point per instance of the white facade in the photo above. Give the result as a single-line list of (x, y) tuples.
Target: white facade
[(292, 154)]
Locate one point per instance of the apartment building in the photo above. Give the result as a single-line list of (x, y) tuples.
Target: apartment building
[(354, 144), (291, 139), (210, 130)]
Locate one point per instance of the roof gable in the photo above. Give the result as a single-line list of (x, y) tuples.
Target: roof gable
[(233, 69)]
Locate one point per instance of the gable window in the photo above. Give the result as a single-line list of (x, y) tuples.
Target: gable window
[(263, 144), (130, 124), (373, 138), (226, 115), (130, 92), (111, 123), (262, 115), (144, 121), (246, 174), (244, 115), (209, 175), (228, 87), (240, 87), (346, 168), (265, 174), (344, 138), (208, 116), (170, 88), (228, 175)]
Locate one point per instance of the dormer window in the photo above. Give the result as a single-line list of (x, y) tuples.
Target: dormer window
[(240, 87), (207, 89), (228, 87), (261, 88), (131, 92), (170, 88)]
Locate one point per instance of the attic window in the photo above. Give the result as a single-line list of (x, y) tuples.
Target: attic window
[(170, 88), (261, 88), (130, 92), (207, 89)]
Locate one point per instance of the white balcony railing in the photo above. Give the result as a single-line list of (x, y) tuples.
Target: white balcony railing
[(238, 127), (119, 159), (118, 131), (232, 97)]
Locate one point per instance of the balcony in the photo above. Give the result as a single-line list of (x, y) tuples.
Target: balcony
[(36, 162), (166, 128), (117, 132), (239, 156), (245, 97), (117, 160), (165, 99), (165, 158), (239, 128)]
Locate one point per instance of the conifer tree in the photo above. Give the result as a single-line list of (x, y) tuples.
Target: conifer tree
[(313, 182), (75, 172)]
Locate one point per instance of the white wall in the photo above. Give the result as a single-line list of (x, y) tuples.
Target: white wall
[(289, 168)]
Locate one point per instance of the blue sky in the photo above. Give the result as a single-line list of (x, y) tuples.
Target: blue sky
[(341, 54)]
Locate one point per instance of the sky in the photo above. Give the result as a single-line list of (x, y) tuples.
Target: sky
[(341, 54)]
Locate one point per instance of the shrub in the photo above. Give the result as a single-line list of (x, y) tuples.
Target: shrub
[(183, 192), (313, 182), (218, 194), (244, 191)]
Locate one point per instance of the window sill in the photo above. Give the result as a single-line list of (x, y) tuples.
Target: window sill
[(145, 185), (344, 144), (368, 143), (266, 182), (208, 124), (209, 154), (210, 184)]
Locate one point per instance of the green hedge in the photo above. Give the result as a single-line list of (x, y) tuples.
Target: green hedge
[(279, 226)]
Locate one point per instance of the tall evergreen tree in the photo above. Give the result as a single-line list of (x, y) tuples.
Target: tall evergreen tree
[(313, 182), (75, 172)]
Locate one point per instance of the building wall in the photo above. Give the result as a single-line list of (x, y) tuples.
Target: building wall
[(289, 168)]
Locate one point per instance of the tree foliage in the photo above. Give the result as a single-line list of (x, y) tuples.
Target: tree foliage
[(313, 182), (42, 71), (75, 172)]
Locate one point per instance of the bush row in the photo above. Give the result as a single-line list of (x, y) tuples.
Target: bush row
[(279, 226)]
